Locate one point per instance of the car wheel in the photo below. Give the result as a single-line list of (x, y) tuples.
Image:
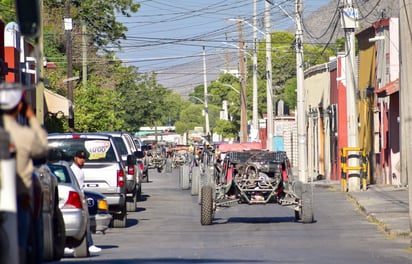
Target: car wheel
[(82, 250), (48, 237), (119, 220), (59, 235), (206, 208), (131, 203)]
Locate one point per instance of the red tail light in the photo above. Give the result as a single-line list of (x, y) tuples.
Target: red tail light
[(73, 201), (120, 178), (141, 166), (130, 169)]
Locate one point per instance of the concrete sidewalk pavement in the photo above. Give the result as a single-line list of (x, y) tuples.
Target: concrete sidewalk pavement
[(386, 205)]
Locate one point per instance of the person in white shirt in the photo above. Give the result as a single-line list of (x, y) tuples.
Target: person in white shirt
[(77, 167)]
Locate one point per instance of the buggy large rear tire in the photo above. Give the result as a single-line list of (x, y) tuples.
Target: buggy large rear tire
[(206, 206), (195, 180)]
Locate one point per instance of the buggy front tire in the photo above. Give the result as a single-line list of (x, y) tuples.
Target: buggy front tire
[(206, 206)]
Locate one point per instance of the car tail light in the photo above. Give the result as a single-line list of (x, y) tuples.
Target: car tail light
[(141, 166), (130, 169), (102, 205), (120, 178), (73, 201)]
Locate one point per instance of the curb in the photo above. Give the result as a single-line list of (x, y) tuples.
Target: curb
[(385, 228)]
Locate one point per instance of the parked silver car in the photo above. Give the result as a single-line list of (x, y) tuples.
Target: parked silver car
[(73, 204)]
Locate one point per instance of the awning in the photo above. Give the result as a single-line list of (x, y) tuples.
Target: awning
[(389, 88), (55, 103)]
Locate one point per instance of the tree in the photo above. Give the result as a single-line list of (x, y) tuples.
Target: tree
[(227, 129), (97, 109), (189, 118), (98, 15)]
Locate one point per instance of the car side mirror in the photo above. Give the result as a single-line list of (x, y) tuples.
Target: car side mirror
[(28, 16)]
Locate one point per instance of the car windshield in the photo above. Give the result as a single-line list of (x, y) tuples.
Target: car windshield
[(97, 150)]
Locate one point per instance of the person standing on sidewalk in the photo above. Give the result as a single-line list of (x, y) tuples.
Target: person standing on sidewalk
[(77, 167), (30, 142)]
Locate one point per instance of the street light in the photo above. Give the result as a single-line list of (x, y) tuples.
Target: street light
[(230, 86), (243, 116), (205, 111), (197, 98)]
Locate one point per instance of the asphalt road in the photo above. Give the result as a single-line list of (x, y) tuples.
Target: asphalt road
[(166, 229)]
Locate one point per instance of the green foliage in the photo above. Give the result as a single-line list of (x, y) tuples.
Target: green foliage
[(192, 116), (8, 11), (289, 94), (227, 129), (98, 109), (189, 118), (98, 15), (56, 125)]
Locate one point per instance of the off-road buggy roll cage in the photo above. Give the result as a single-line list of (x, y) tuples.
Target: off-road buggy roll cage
[(251, 177)]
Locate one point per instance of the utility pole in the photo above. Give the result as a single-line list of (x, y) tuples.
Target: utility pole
[(40, 82), (349, 17), (84, 51), (68, 28), (405, 16), (301, 105), (255, 117), (205, 94), (269, 98), (243, 116)]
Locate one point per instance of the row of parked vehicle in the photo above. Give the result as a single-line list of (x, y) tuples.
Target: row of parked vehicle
[(64, 212)]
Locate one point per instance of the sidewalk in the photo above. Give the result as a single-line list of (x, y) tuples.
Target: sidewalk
[(386, 205)]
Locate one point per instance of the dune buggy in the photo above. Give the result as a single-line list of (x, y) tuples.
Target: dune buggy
[(252, 177)]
